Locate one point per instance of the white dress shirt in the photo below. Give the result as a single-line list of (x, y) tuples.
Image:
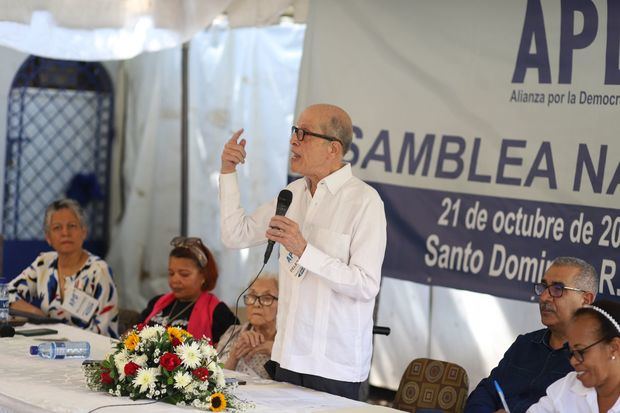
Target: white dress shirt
[(327, 295), (569, 395)]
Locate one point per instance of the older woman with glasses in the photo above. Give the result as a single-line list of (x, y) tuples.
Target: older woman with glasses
[(594, 342), (69, 283), (192, 274), (247, 348)]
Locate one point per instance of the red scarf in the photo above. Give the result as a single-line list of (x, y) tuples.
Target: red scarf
[(201, 318)]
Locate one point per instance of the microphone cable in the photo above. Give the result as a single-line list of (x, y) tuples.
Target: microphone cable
[(234, 333)]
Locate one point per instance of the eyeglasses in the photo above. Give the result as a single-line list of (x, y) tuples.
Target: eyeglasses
[(195, 246), (300, 134), (265, 300), (555, 290), (578, 354)]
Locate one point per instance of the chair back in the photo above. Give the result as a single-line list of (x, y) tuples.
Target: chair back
[(432, 386)]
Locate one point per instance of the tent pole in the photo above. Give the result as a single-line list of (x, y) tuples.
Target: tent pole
[(184, 137)]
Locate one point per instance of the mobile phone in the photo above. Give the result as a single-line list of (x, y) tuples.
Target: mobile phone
[(91, 362), (232, 380), (36, 332)]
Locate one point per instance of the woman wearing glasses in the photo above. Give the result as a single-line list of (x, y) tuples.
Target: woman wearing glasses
[(594, 386), (192, 274), (247, 348), (69, 283)]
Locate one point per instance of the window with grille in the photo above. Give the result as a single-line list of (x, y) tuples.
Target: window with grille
[(59, 131)]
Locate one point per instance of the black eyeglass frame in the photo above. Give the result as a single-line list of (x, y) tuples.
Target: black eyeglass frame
[(193, 244), (295, 130), (579, 354), (259, 298), (554, 287)]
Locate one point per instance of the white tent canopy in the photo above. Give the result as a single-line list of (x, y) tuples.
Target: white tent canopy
[(122, 29)]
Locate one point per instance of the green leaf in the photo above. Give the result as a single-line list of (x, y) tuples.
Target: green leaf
[(172, 399)]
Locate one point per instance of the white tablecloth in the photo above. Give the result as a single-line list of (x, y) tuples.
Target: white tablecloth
[(32, 384)]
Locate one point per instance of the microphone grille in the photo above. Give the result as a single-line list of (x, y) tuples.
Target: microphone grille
[(285, 197)]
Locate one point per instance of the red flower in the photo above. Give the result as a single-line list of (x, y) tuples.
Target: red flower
[(201, 373), (105, 377), (140, 326), (169, 361), (175, 341), (131, 368)]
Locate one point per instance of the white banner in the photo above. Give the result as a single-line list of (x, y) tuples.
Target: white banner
[(489, 128)]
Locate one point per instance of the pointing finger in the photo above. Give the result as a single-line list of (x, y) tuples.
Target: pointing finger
[(235, 136)]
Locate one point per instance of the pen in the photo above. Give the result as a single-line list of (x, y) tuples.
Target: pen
[(501, 396)]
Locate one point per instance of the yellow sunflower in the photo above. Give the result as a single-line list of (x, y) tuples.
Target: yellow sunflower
[(218, 402), (178, 333), (131, 341)]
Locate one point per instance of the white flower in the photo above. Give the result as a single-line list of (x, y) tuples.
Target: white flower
[(146, 378), (220, 380), (140, 360), (190, 354), (182, 379), (120, 359), (190, 388), (207, 350), (150, 332)]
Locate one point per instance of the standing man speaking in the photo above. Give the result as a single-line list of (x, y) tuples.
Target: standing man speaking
[(332, 243)]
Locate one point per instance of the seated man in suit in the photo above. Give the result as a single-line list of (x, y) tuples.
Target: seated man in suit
[(537, 359)]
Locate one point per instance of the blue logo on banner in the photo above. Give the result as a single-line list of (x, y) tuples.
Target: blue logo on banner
[(535, 34)]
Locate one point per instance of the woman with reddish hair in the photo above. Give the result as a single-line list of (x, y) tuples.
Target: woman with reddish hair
[(192, 274)]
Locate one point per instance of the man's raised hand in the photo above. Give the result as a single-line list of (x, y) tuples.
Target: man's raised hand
[(233, 153)]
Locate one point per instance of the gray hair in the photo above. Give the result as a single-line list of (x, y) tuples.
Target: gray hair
[(587, 279), (340, 129), (268, 276), (65, 203)]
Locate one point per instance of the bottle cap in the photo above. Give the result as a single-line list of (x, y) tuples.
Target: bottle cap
[(34, 350)]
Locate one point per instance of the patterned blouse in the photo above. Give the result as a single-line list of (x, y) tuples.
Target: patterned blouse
[(39, 285), (255, 365)]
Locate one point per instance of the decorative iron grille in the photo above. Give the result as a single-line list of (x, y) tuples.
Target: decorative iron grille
[(59, 132)]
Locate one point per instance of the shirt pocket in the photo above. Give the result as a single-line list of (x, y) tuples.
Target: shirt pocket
[(332, 243)]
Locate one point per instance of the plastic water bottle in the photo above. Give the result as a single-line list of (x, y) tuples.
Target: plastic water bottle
[(4, 304), (62, 349)]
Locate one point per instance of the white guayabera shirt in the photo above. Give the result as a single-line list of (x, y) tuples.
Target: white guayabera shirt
[(327, 295)]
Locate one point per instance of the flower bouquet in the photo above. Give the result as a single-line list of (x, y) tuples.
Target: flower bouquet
[(166, 364)]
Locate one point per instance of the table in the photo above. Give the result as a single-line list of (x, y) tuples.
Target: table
[(33, 385)]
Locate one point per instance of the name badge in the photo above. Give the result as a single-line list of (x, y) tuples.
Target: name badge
[(294, 267), (79, 304)]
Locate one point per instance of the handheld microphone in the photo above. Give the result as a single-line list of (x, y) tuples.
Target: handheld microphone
[(284, 200)]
